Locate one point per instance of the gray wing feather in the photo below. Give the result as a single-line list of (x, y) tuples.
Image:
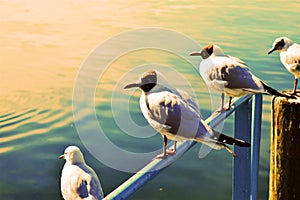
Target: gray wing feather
[(235, 76), (94, 188), (292, 57), (180, 113)]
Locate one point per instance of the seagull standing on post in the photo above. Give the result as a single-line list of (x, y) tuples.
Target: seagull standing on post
[(289, 56), (229, 75), (78, 180), (175, 115)]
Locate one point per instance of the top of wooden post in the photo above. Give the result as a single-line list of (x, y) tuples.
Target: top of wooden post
[(284, 100)]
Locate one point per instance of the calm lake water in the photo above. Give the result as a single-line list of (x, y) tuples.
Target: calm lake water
[(45, 43)]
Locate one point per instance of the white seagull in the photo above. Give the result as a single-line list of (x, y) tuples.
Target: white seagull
[(289, 56), (229, 75), (175, 115), (78, 180)]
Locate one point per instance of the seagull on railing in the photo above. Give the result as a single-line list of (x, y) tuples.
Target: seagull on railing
[(78, 180), (176, 116), (230, 75), (289, 56)]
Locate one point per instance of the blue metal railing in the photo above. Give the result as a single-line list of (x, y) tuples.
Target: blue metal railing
[(247, 126), (256, 135)]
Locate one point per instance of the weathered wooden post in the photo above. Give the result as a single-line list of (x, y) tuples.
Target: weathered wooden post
[(285, 150)]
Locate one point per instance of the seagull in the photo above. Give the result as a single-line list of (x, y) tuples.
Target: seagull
[(230, 75), (289, 56), (176, 116), (78, 180)]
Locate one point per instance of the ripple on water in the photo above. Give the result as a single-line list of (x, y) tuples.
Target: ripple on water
[(46, 114)]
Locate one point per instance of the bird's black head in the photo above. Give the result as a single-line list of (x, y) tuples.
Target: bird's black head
[(281, 44), (147, 81), (205, 52), (277, 45)]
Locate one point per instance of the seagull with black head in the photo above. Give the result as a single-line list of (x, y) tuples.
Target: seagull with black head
[(230, 75), (289, 57), (175, 115)]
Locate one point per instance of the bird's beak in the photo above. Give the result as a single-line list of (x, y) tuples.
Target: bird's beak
[(196, 54), (61, 157), (131, 85), (202, 53), (271, 50)]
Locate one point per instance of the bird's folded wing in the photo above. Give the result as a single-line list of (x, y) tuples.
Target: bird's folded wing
[(170, 109), (82, 189), (190, 101), (74, 187), (292, 57), (219, 83), (235, 76), (293, 61), (96, 189)]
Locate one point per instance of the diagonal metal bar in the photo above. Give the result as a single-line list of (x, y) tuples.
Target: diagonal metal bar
[(156, 166)]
